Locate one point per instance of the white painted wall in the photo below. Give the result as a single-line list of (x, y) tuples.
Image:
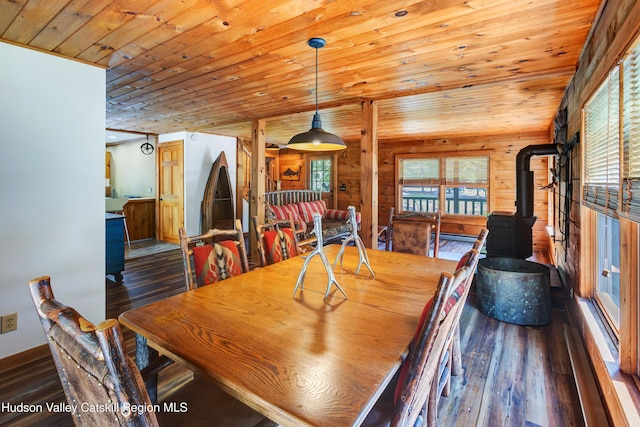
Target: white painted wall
[(200, 151), (133, 173), (52, 185)]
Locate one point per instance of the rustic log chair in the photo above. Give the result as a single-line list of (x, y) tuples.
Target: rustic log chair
[(470, 259), (276, 241), (481, 239), (213, 256), (451, 357), (406, 401), (95, 369), (411, 232)]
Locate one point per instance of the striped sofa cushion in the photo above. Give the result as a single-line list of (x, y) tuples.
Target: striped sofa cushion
[(282, 212), (307, 209), (341, 215)]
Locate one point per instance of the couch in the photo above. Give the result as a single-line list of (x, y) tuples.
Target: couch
[(300, 205)]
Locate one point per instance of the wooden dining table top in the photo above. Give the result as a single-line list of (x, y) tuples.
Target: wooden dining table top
[(303, 359)]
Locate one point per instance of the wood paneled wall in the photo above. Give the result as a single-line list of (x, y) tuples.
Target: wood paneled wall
[(290, 159), (502, 150)]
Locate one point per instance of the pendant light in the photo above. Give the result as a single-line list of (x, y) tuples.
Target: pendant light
[(316, 138)]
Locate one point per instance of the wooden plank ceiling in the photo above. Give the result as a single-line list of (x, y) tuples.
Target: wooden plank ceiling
[(438, 68)]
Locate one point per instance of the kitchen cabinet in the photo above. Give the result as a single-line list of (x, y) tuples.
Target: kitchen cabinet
[(114, 252), (141, 218)]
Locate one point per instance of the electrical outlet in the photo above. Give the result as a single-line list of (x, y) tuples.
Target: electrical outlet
[(8, 323)]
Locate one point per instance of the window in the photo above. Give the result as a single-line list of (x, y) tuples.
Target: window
[(631, 137), (320, 175), (602, 158), (456, 185), (607, 286), (611, 192)]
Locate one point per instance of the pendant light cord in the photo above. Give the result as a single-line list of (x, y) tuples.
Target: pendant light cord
[(316, 80)]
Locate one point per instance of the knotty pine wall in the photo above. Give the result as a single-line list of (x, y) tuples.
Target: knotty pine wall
[(502, 150), (290, 159)]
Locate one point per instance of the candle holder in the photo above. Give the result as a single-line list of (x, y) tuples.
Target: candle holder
[(317, 230), (354, 237)]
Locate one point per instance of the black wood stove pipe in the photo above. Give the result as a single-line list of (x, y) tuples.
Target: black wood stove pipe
[(524, 176)]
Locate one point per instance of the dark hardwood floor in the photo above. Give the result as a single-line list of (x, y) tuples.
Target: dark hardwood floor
[(512, 375)]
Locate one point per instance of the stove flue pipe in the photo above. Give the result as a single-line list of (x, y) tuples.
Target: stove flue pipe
[(524, 176)]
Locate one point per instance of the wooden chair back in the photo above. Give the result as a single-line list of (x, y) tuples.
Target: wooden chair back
[(421, 381), (451, 357), (411, 232), (451, 360), (92, 363), (276, 241), (213, 256), (480, 241)]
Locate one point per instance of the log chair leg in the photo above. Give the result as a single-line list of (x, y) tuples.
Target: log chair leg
[(456, 353)]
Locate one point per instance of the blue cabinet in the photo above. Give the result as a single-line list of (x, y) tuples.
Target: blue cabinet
[(115, 245)]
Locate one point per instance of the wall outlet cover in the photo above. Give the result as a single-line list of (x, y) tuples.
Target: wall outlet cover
[(9, 323)]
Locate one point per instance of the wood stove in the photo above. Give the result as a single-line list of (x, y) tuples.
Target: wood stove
[(510, 233)]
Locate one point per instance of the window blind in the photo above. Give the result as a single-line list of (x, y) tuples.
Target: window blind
[(631, 137), (420, 171), (602, 150), (467, 170)]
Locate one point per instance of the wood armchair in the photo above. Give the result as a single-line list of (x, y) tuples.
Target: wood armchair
[(95, 369), (213, 256), (412, 232)]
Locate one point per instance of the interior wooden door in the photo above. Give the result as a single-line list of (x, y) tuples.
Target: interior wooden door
[(170, 190)]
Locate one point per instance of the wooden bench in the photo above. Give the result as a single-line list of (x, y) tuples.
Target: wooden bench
[(286, 197)]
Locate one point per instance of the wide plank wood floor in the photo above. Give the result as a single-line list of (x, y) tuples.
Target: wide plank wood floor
[(513, 375)]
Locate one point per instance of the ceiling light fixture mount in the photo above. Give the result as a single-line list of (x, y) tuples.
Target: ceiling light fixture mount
[(316, 138)]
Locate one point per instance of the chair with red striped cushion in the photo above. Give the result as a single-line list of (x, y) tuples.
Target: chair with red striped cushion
[(276, 241), (213, 256)]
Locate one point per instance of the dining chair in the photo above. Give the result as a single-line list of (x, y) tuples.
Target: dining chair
[(411, 232), (470, 259), (451, 356), (407, 400), (106, 388), (213, 256), (276, 241)]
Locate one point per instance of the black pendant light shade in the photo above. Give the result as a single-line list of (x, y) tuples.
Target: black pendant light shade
[(316, 138)]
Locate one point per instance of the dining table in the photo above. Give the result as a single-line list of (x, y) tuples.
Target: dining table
[(299, 359)]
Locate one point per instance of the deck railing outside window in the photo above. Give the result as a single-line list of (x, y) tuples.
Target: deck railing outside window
[(459, 200)]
